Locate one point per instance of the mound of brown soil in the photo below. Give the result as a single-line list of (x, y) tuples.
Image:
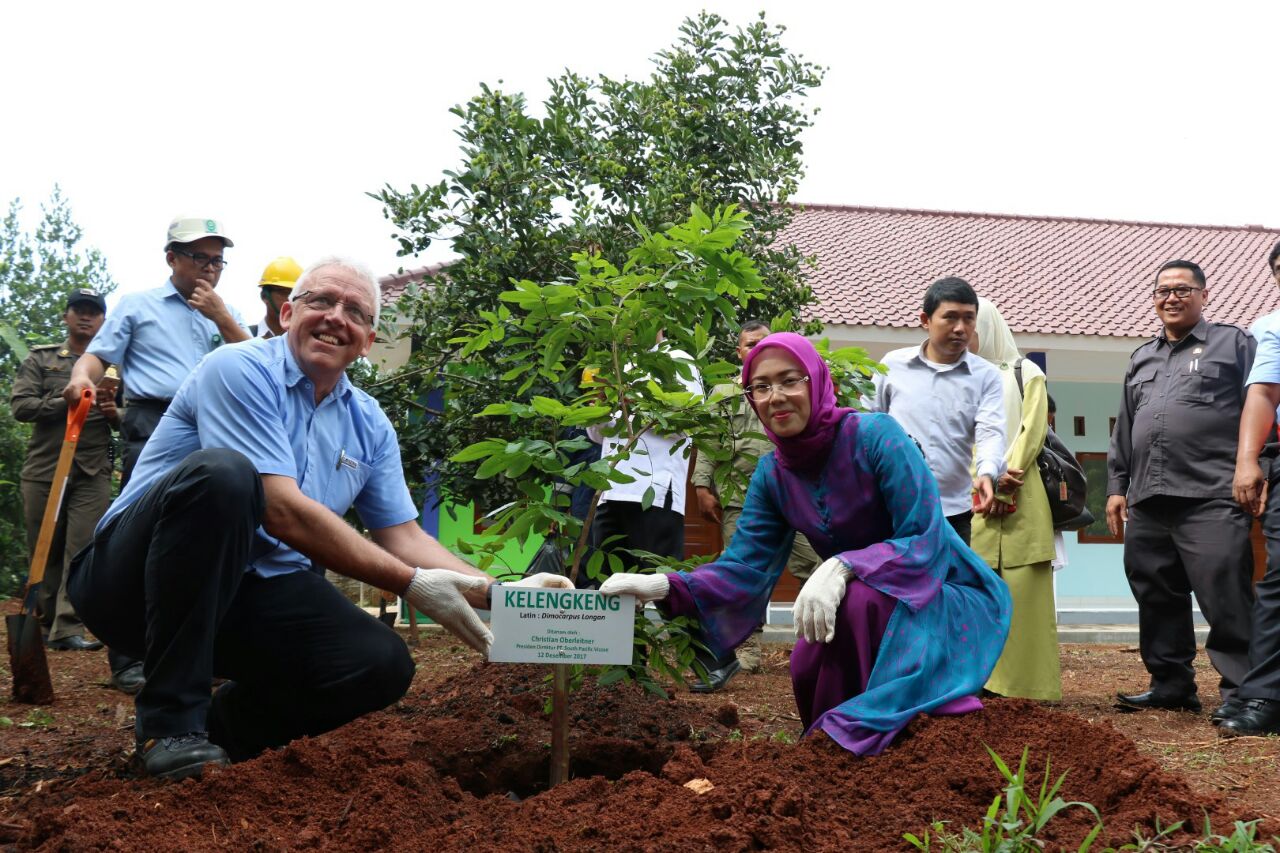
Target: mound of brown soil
[(464, 768)]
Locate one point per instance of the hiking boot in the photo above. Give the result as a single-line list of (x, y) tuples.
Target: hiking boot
[(180, 756)]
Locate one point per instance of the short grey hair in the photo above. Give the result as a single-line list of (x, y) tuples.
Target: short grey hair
[(359, 270)]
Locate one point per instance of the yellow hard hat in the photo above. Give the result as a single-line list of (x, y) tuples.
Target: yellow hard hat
[(282, 272)]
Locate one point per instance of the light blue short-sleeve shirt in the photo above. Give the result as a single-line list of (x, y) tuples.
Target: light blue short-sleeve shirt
[(1266, 362), (157, 339), (252, 397)]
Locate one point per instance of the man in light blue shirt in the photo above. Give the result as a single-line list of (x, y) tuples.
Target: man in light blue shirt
[(157, 336), (206, 565), (1255, 709), (950, 401)]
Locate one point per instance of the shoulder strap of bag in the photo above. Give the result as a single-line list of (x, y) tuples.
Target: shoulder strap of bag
[(1017, 374)]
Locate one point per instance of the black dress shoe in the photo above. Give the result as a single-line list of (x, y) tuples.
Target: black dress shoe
[(1227, 710), (1255, 717), (717, 678), (179, 757), (719, 671), (74, 643), (1162, 701), (130, 679)]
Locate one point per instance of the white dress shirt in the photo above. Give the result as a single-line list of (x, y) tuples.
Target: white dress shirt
[(953, 410), (660, 461)]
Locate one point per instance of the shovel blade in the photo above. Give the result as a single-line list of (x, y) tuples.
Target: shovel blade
[(27, 661)]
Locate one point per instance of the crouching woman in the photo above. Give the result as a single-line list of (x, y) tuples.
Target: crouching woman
[(901, 619)]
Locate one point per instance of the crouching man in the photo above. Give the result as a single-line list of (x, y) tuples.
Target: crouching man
[(204, 566)]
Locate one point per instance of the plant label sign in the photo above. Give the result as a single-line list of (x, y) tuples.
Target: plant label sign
[(532, 625)]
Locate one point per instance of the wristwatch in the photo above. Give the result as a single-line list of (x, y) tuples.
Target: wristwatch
[(488, 594)]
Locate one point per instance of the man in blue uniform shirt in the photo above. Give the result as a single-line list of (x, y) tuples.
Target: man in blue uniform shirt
[(157, 337), (1256, 707), (204, 565)]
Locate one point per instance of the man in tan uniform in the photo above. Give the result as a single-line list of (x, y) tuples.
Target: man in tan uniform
[(37, 398), (722, 503)]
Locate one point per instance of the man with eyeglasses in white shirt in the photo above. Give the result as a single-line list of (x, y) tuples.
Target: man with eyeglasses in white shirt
[(950, 401), (156, 338)]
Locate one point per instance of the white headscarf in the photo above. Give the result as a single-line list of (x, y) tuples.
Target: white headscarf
[(996, 345)]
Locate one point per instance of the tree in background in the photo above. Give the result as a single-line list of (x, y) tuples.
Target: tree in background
[(37, 271), (717, 123)]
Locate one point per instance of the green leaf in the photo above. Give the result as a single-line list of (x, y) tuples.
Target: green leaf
[(646, 500), (491, 466), (479, 450)]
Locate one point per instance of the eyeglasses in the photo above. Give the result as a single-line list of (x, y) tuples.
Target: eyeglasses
[(201, 259), (1163, 293), (760, 392), (324, 303)]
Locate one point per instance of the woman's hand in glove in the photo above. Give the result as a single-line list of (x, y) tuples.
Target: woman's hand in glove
[(815, 607), (643, 587), (546, 580), (441, 594)]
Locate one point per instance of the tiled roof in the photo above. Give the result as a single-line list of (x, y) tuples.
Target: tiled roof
[(1048, 275), (393, 286)]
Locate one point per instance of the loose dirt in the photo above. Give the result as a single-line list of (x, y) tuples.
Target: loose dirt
[(461, 764)]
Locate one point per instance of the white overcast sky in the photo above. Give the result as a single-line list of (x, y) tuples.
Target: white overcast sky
[(277, 117)]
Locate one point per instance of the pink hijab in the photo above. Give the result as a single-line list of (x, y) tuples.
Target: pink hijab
[(809, 449)]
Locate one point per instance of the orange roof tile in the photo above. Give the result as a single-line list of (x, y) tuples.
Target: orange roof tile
[(1048, 274)]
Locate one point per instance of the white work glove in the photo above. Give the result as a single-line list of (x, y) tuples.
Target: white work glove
[(643, 587), (546, 580), (815, 608), (441, 594)]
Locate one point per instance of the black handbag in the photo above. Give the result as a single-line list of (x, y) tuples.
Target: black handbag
[(1064, 481)]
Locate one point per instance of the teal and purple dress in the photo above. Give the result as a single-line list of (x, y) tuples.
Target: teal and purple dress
[(923, 619)]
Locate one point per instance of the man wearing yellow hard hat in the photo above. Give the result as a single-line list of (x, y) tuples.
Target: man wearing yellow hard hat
[(277, 283)]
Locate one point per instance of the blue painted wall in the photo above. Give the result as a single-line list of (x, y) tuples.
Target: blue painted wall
[(1094, 575)]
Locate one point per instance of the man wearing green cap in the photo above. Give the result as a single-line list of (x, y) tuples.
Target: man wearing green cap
[(157, 337)]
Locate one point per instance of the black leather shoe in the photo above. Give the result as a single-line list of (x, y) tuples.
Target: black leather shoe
[(75, 643), (1226, 710), (180, 756), (717, 677), (1255, 717), (130, 679), (1162, 701)]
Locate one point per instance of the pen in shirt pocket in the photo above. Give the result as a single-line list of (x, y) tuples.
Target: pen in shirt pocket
[(345, 460)]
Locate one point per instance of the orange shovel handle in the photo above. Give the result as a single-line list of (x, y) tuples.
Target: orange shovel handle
[(76, 416)]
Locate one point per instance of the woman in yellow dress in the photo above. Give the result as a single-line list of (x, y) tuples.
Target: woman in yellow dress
[(1016, 538)]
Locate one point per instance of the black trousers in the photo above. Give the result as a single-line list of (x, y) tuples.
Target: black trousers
[(1263, 680), (658, 529), (962, 523), (141, 417), (1174, 547), (165, 581)]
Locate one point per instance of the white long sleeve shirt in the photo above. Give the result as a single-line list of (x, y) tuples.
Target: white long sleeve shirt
[(661, 461), (955, 411)]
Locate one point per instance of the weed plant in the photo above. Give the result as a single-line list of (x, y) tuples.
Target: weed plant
[(1015, 819)]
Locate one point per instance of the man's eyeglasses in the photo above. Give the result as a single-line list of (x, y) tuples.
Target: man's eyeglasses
[(324, 303), (760, 392), (1163, 293), (201, 259)]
